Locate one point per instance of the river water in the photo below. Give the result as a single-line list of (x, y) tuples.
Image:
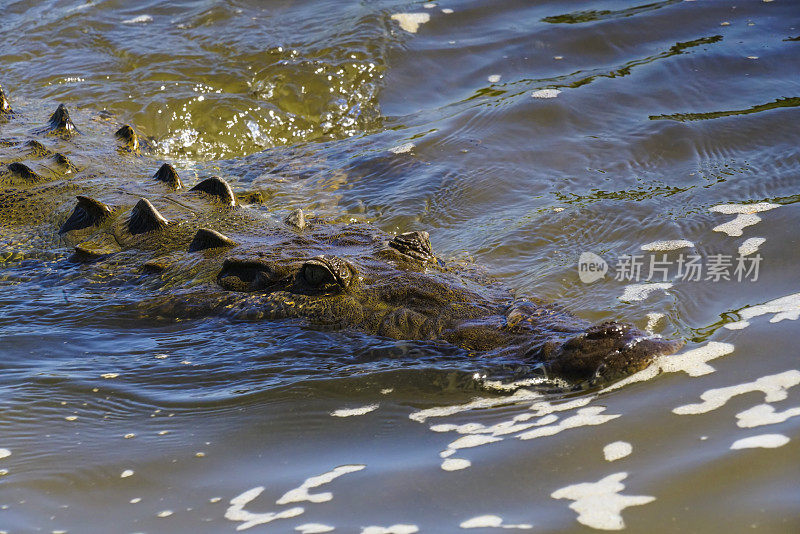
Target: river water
[(519, 134)]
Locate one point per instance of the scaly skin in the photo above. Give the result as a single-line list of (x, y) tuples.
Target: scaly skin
[(205, 253)]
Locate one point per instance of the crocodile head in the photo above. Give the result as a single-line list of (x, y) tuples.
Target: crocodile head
[(398, 288)]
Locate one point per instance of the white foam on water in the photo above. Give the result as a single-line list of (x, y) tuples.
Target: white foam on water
[(635, 292), (429, 5), (402, 149), (546, 93), (236, 511), (494, 78), (693, 362), (735, 227), (4, 453), (546, 420), (599, 504), (411, 22), (141, 19), (743, 208), (301, 493), (164, 513), (750, 245), (546, 408), (81, 6), (774, 387), (455, 464), (764, 414), (674, 244), (617, 450), (499, 429), (482, 521), (476, 434), (127, 473), (350, 412), (447, 11), (515, 385), (400, 528), (472, 440), (520, 395), (491, 521), (787, 307), (763, 441), (109, 375), (313, 528), (590, 416), (653, 319), (737, 325), (386, 391)]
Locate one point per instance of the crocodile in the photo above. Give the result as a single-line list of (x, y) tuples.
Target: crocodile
[(205, 249)]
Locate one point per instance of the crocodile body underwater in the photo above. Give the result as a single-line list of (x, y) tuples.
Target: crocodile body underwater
[(208, 253)]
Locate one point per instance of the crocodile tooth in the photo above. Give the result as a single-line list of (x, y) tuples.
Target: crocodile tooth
[(5, 105), (88, 212), (130, 141), (169, 176), (216, 186), (24, 172), (206, 238), (296, 218), (60, 123), (145, 218)]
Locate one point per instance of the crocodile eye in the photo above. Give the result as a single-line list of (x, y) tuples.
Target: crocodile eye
[(317, 274), (324, 271)]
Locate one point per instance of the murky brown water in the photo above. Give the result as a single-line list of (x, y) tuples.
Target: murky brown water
[(522, 134)]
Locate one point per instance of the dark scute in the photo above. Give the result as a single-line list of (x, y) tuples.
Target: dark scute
[(145, 218), (296, 218), (248, 275), (63, 160), (169, 176), (206, 238), (60, 121), (38, 149), (128, 137), (24, 172), (324, 272), (414, 244), (5, 105), (217, 187), (88, 212)]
